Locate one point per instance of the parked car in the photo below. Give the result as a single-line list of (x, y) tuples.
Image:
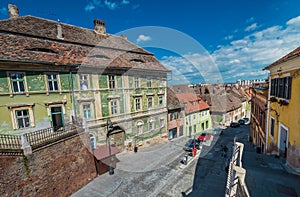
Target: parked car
[(246, 119), (234, 124), (241, 121), (204, 137), (191, 144)]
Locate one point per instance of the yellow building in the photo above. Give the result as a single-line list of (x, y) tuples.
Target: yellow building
[(283, 122)]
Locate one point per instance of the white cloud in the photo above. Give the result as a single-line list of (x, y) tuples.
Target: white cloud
[(251, 27), (143, 38), (294, 21), (230, 37), (125, 2), (257, 50), (89, 7), (110, 4), (241, 59), (3, 11)]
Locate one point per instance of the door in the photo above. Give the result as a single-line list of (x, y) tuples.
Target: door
[(57, 118), (283, 141)]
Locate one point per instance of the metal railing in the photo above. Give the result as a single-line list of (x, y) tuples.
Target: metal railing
[(36, 139)]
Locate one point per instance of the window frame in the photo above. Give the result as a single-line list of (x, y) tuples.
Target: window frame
[(149, 82), (82, 80), (150, 98), (136, 81), (112, 81), (10, 83), (114, 106), (138, 105), (89, 109), (13, 109)]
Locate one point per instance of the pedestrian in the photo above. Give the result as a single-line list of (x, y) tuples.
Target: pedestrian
[(225, 150)]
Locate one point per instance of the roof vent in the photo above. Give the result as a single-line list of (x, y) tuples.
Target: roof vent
[(99, 26), (13, 11)]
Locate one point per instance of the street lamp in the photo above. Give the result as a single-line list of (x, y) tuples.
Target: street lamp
[(109, 126)]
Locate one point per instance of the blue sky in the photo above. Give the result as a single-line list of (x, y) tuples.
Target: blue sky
[(234, 38)]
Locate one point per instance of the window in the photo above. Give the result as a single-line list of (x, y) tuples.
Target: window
[(52, 82), (162, 123), (111, 81), (136, 82), (151, 125), (137, 104), (17, 80), (149, 84), (281, 87), (139, 127), (206, 124), (150, 102), (22, 117), (194, 116), (174, 116), (114, 107), (84, 83), (272, 126), (87, 111), (159, 82), (160, 100)]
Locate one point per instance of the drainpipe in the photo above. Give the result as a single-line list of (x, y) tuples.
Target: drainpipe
[(73, 97), (268, 112)]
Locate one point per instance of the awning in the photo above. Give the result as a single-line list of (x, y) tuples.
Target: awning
[(102, 152)]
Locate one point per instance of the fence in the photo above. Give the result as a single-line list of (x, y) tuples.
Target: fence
[(236, 185), (15, 144)]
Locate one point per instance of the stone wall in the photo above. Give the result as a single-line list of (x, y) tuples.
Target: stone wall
[(56, 170)]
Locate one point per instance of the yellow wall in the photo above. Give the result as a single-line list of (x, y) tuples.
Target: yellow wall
[(289, 115)]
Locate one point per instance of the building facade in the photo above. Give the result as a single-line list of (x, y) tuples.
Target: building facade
[(176, 116), (197, 113), (283, 126), (259, 116), (54, 74)]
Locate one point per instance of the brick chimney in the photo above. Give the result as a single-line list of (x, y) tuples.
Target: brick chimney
[(99, 26), (13, 11)]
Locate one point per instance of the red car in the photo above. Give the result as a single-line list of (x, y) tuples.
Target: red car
[(204, 137)]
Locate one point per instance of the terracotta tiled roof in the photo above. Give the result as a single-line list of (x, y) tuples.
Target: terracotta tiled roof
[(32, 39), (192, 102), (172, 101), (294, 53), (102, 152)]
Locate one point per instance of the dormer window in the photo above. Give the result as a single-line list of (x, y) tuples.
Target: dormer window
[(44, 50), (137, 60), (99, 56)]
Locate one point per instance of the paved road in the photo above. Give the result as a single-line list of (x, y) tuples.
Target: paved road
[(155, 171), (152, 171)]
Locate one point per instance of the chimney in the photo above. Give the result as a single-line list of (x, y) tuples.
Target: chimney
[(13, 11), (59, 31), (99, 26)]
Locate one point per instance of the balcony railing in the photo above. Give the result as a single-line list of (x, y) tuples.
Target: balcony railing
[(16, 143)]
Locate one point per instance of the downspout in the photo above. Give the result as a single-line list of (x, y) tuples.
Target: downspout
[(268, 112), (73, 96)]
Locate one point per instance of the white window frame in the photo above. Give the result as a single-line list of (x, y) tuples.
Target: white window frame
[(84, 80), (151, 125), (149, 82), (114, 106), (138, 102), (14, 109), (148, 100), (139, 127), (112, 81), (88, 109), (136, 81), (10, 83)]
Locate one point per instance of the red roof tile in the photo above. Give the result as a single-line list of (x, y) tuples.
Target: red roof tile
[(192, 102), (23, 38)]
